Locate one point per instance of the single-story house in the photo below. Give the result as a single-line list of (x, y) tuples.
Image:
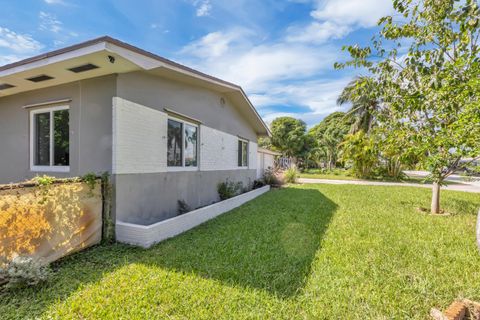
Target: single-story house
[(265, 160), (165, 132)]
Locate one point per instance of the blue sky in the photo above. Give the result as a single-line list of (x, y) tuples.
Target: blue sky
[(281, 52)]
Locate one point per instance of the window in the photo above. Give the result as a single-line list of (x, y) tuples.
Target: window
[(182, 144), (190, 146), (242, 153), (50, 139)]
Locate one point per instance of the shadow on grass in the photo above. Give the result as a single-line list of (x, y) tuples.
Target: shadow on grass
[(268, 244)]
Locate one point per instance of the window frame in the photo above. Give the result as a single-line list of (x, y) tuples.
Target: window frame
[(241, 150), (183, 167), (51, 167)]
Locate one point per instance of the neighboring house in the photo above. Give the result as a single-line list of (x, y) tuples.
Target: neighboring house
[(164, 131), (265, 160)]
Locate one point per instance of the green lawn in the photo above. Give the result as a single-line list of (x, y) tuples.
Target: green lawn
[(307, 251)]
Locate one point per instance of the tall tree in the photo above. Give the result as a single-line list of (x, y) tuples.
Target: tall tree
[(364, 103), (328, 135), (289, 137), (265, 142), (431, 93)]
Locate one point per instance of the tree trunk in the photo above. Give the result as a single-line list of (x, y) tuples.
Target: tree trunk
[(435, 207)]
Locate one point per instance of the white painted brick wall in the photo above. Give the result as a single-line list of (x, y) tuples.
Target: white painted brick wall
[(252, 155), (139, 138), (218, 150), (140, 142)]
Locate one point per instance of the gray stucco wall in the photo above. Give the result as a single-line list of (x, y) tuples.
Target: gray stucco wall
[(152, 197), (202, 104), (90, 128)]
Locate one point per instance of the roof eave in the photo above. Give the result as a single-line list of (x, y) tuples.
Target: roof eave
[(144, 59)]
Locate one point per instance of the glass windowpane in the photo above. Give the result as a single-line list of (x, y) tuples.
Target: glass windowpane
[(190, 146), (174, 144), (244, 154), (61, 138), (239, 153), (42, 139)]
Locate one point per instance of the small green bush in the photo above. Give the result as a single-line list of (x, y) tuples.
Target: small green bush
[(290, 175), (229, 189), (23, 272)]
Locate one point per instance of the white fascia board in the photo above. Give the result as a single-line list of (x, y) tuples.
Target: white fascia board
[(198, 76), (57, 58), (140, 60), (259, 118)]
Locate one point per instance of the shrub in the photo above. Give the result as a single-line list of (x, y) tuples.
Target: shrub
[(389, 170), (183, 207), (290, 175), (229, 189), (23, 272), (258, 184), (360, 151), (270, 177)]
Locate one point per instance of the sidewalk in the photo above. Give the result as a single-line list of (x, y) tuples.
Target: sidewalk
[(454, 187)]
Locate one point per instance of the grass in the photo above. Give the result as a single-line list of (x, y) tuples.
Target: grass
[(336, 174), (306, 251)]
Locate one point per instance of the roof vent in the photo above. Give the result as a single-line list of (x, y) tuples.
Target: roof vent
[(83, 68), (5, 86), (40, 78)]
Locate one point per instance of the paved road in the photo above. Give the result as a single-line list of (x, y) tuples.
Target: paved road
[(472, 187), (453, 177)]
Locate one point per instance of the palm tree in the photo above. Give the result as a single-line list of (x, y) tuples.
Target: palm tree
[(364, 103)]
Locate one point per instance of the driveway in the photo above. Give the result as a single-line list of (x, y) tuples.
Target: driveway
[(466, 187)]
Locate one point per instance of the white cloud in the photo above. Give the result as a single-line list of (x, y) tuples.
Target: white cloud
[(231, 56), (286, 74), (273, 74), (335, 19), (217, 43), (49, 22), (7, 59), (364, 13), (317, 32), (19, 43), (318, 95), (317, 98), (203, 8)]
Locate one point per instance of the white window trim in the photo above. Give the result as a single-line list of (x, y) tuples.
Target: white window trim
[(183, 167), (51, 167), (248, 152)]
